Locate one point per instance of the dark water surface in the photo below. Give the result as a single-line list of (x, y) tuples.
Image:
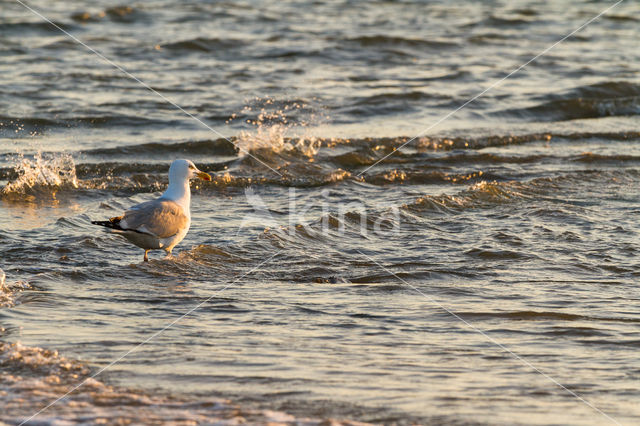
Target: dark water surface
[(518, 216)]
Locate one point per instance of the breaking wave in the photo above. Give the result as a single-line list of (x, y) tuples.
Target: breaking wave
[(486, 194), (303, 162), (278, 126), (44, 174), (40, 376), (9, 293)]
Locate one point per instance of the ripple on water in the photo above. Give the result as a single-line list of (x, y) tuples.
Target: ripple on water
[(41, 376)]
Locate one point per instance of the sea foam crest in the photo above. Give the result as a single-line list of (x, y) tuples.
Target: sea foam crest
[(42, 173), (279, 127)]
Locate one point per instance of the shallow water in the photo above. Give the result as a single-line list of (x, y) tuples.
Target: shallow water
[(326, 285)]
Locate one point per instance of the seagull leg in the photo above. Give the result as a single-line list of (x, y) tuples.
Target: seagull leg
[(169, 255), (146, 258)]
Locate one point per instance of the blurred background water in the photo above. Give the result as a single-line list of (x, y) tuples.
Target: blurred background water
[(519, 213)]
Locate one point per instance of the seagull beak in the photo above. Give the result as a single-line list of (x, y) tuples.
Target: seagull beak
[(203, 175)]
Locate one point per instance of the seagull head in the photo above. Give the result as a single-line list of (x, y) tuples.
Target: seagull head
[(183, 170)]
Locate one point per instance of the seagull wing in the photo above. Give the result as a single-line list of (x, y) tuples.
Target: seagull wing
[(161, 218)]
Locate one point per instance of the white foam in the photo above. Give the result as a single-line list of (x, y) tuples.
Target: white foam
[(276, 132), (31, 378), (42, 173)]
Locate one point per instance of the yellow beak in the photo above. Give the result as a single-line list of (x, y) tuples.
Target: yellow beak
[(203, 175)]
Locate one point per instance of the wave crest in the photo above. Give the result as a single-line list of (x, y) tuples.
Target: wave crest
[(279, 127), (42, 175)]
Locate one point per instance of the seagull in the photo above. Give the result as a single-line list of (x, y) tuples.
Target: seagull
[(164, 222)]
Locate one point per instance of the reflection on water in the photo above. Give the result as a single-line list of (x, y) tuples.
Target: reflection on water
[(31, 211), (519, 214)]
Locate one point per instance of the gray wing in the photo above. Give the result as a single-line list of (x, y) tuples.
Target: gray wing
[(161, 218)]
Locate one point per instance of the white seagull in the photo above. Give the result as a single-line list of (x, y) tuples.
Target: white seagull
[(162, 223)]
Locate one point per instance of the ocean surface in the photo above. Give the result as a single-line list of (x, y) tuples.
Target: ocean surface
[(364, 253)]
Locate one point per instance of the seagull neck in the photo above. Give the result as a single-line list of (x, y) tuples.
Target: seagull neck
[(179, 193)]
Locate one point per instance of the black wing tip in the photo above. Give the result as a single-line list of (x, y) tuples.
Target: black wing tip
[(107, 223)]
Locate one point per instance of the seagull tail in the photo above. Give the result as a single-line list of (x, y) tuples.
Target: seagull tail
[(113, 223)]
